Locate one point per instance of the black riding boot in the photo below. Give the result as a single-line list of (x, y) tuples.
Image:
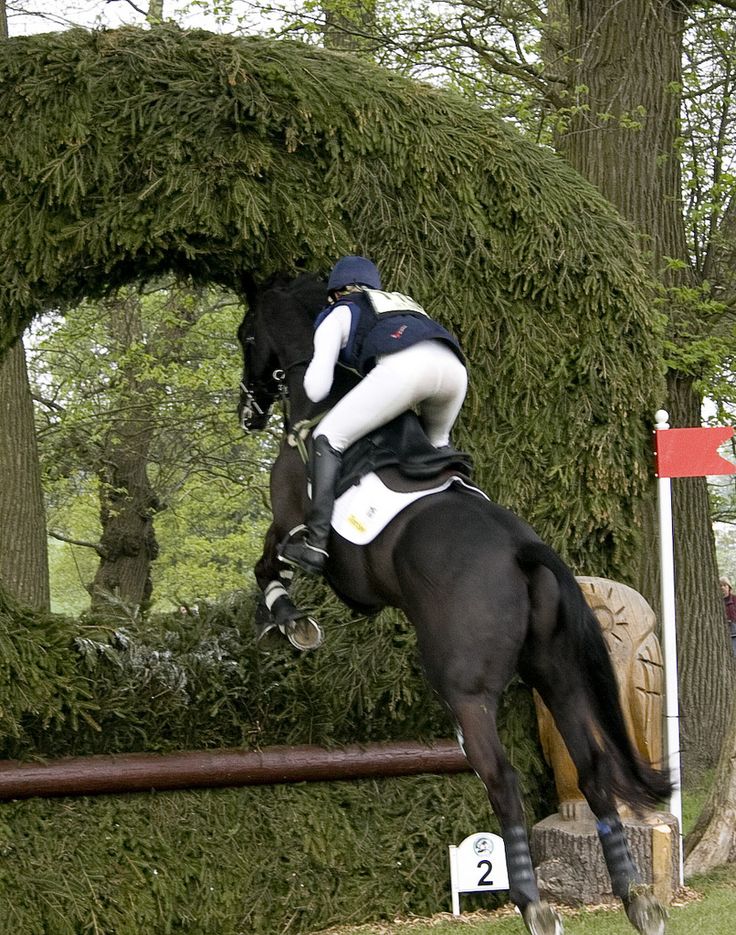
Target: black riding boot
[(311, 554)]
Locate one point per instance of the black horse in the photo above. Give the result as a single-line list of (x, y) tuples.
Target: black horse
[(487, 599)]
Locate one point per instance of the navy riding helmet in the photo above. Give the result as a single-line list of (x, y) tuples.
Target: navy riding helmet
[(353, 269)]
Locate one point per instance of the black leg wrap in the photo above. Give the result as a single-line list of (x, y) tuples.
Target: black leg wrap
[(522, 881), (621, 867), (283, 610)]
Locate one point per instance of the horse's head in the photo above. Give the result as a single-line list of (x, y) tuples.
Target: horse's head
[(275, 336)]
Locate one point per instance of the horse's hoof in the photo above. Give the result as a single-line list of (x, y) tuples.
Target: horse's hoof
[(645, 912), (541, 919), (304, 633)]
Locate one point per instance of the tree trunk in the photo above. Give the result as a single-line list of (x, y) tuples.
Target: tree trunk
[(622, 136), (625, 123), (23, 547), (128, 503), (155, 14), (704, 647), (128, 543), (712, 841)]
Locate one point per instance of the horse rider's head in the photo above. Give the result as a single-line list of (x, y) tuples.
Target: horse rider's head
[(352, 271)]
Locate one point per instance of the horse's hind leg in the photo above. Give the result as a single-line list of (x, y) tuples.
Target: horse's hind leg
[(546, 664), (594, 767), (274, 578), (476, 719)]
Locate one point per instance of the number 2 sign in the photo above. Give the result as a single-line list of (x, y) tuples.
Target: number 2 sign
[(477, 864)]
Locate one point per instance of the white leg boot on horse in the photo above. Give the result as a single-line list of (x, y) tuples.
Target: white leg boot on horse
[(311, 554)]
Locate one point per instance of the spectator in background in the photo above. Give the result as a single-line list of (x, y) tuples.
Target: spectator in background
[(729, 601)]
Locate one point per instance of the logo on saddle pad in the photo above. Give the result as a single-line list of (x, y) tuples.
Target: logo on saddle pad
[(365, 509)]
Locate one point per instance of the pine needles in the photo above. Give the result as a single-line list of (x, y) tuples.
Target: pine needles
[(262, 859), (133, 153)]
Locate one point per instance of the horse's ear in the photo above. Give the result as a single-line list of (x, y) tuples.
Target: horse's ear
[(249, 289)]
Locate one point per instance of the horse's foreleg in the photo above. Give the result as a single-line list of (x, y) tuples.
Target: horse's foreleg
[(482, 746), (274, 578)]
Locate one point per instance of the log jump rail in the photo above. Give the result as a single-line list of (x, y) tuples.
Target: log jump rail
[(147, 772)]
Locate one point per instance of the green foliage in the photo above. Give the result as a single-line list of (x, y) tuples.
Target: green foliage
[(160, 364), (210, 540), (137, 153), (41, 680), (256, 860), (267, 859), (199, 680), (699, 339), (71, 569)]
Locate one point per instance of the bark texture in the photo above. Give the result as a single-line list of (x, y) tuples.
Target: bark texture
[(347, 27), (128, 542), (23, 547), (128, 502), (706, 675), (570, 865), (712, 841)]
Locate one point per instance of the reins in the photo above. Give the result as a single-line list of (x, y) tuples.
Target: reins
[(282, 385), (298, 433)]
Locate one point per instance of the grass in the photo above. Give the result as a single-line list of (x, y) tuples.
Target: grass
[(707, 906)]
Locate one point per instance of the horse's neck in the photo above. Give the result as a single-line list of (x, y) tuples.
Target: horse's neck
[(299, 403), (301, 407)]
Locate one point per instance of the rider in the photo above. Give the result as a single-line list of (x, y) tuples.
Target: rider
[(405, 360)]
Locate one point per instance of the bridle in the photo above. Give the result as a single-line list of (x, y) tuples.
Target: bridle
[(250, 410)]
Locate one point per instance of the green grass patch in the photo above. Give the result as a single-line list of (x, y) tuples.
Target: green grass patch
[(707, 909)]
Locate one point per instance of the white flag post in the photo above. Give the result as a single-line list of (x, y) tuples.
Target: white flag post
[(669, 639)]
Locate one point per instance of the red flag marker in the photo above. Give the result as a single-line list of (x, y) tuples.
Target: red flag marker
[(691, 452)]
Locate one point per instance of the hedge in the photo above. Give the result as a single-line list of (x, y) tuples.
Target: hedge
[(258, 859)]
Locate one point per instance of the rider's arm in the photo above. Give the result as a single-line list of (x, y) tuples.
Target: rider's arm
[(329, 339)]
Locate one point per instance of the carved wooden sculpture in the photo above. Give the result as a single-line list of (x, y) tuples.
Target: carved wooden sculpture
[(628, 624)]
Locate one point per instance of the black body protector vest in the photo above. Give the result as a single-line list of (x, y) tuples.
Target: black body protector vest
[(384, 323)]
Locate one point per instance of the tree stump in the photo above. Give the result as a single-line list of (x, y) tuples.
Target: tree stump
[(569, 860)]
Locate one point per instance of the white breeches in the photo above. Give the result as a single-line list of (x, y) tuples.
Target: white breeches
[(427, 377)]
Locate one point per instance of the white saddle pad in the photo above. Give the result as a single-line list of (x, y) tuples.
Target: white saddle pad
[(368, 507)]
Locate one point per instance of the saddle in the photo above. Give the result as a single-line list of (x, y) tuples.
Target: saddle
[(401, 444)]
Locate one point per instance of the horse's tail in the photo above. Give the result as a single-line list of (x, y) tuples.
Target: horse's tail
[(632, 779)]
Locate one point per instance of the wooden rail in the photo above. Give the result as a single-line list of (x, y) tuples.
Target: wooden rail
[(145, 772)]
